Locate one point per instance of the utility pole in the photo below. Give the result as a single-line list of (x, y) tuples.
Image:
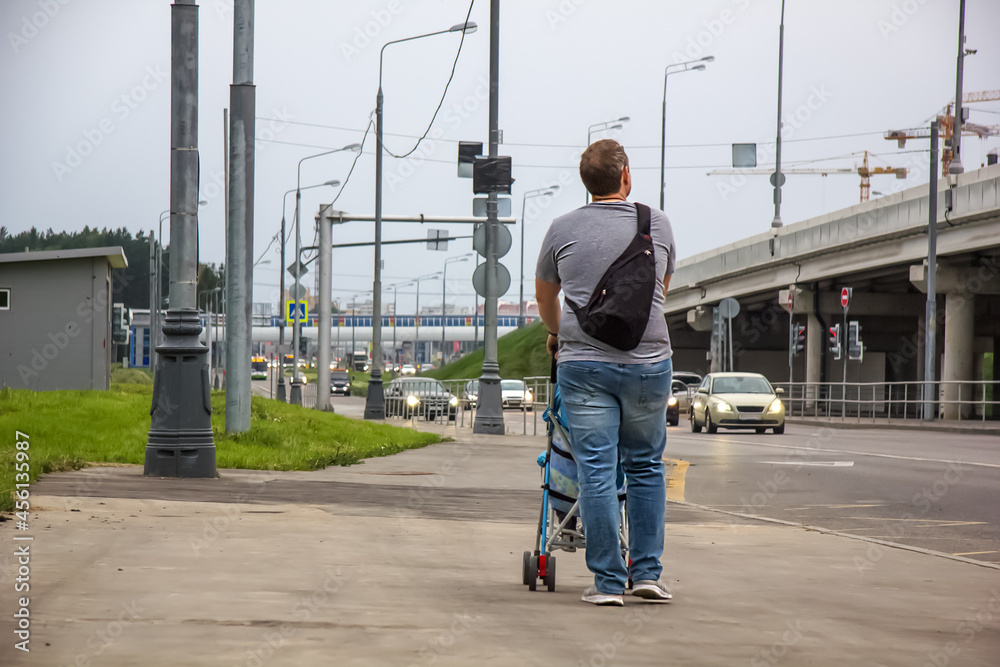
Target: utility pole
[(489, 416), (325, 297), (181, 414), (956, 136), (239, 248)]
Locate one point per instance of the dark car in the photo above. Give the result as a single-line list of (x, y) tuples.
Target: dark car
[(673, 406), (418, 396), (340, 382)]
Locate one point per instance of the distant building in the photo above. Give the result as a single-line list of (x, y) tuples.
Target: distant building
[(55, 318)]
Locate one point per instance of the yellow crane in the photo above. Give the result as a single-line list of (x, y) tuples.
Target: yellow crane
[(946, 125), (864, 171)]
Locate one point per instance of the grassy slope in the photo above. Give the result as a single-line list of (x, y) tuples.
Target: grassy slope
[(521, 354), (69, 429)]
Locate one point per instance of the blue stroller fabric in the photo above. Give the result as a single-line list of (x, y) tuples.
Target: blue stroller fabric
[(564, 484)]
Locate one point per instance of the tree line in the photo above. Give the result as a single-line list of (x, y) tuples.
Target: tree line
[(131, 284)]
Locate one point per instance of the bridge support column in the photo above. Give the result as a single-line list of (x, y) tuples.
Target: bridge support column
[(959, 330)]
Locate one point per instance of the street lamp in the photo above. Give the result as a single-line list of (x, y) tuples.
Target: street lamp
[(395, 314), (281, 287), (689, 66), (444, 302), (375, 402), (416, 317), (296, 397), (602, 127), (541, 192)]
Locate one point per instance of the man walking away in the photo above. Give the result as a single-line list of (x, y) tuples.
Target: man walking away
[(615, 397)]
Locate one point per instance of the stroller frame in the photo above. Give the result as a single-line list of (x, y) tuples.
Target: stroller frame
[(554, 531)]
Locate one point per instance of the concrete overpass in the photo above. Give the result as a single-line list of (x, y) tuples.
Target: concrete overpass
[(879, 248)]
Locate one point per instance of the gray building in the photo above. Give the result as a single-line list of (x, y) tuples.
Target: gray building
[(55, 318)]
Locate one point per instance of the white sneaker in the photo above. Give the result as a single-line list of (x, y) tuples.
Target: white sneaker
[(651, 590), (593, 596)]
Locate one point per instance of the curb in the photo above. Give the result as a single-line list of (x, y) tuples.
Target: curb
[(896, 426)]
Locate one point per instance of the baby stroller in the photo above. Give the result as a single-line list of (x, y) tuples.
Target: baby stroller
[(559, 523)]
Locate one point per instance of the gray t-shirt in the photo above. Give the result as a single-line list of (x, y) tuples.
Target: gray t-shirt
[(577, 250)]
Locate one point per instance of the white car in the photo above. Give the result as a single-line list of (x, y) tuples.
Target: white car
[(408, 369), (515, 394)]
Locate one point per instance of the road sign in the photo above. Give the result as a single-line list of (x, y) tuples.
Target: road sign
[(502, 280), (845, 296), (729, 308), (437, 239), (303, 269), (791, 299), (297, 292), (296, 311), (503, 240)]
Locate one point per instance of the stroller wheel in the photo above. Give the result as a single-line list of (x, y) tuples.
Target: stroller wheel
[(533, 573), (550, 573), (525, 568)]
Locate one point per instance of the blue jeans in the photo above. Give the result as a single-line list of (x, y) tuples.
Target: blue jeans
[(619, 412)]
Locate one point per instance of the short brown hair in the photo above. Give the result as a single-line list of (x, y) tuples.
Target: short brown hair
[(601, 167)]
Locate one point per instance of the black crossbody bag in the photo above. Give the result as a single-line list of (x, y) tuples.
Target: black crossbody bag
[(618, 311)]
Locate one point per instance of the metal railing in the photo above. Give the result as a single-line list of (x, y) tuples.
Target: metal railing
[(972, 400)]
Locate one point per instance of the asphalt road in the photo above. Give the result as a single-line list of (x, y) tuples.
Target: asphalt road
[(928, 489), (933, 490)]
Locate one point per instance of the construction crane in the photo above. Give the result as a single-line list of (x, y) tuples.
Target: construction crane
[(946, 125), (864, 171)]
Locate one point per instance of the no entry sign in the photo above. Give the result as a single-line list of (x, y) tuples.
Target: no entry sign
[(845, 297)]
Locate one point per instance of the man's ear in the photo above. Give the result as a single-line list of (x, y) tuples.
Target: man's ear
[(626, 180)]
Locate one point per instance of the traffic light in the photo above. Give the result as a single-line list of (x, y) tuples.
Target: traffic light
[(798, 338), (303, 346), (835, 341), (855, 348), (121, 324)]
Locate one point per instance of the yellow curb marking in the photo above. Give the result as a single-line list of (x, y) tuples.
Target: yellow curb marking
[(974, 553), (675, 479)]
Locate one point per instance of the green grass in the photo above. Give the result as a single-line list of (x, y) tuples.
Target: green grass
[(121, 375), (72, 429), (520, 353)]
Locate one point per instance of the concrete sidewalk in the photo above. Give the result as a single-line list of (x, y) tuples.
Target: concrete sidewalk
[(415, 559)]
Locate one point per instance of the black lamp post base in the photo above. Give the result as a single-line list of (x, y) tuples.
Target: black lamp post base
[(489, 412), (375, 402), (180, 435)]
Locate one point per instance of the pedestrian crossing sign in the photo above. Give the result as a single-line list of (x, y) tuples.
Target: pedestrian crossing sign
[(296, 311)]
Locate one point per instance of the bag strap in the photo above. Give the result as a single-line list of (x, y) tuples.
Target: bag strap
[(643, 215)]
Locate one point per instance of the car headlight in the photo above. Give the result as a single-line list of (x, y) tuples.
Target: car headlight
[(453, 401), (775, 406), (528, 397), (412, 401), (723, 406), (672, 400)]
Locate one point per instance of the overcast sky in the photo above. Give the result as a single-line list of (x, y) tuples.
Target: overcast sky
[(86, 111)]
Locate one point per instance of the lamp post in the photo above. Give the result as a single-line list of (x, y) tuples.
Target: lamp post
[(154, 318), (296, 397), (541, 192), (375, 402), (416, 317), (444, 302), (776, 222), (395, 314), (281, 287), (602, 127), (698, 65)]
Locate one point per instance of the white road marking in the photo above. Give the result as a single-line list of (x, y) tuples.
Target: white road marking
[(817, 450), (829, 464)]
